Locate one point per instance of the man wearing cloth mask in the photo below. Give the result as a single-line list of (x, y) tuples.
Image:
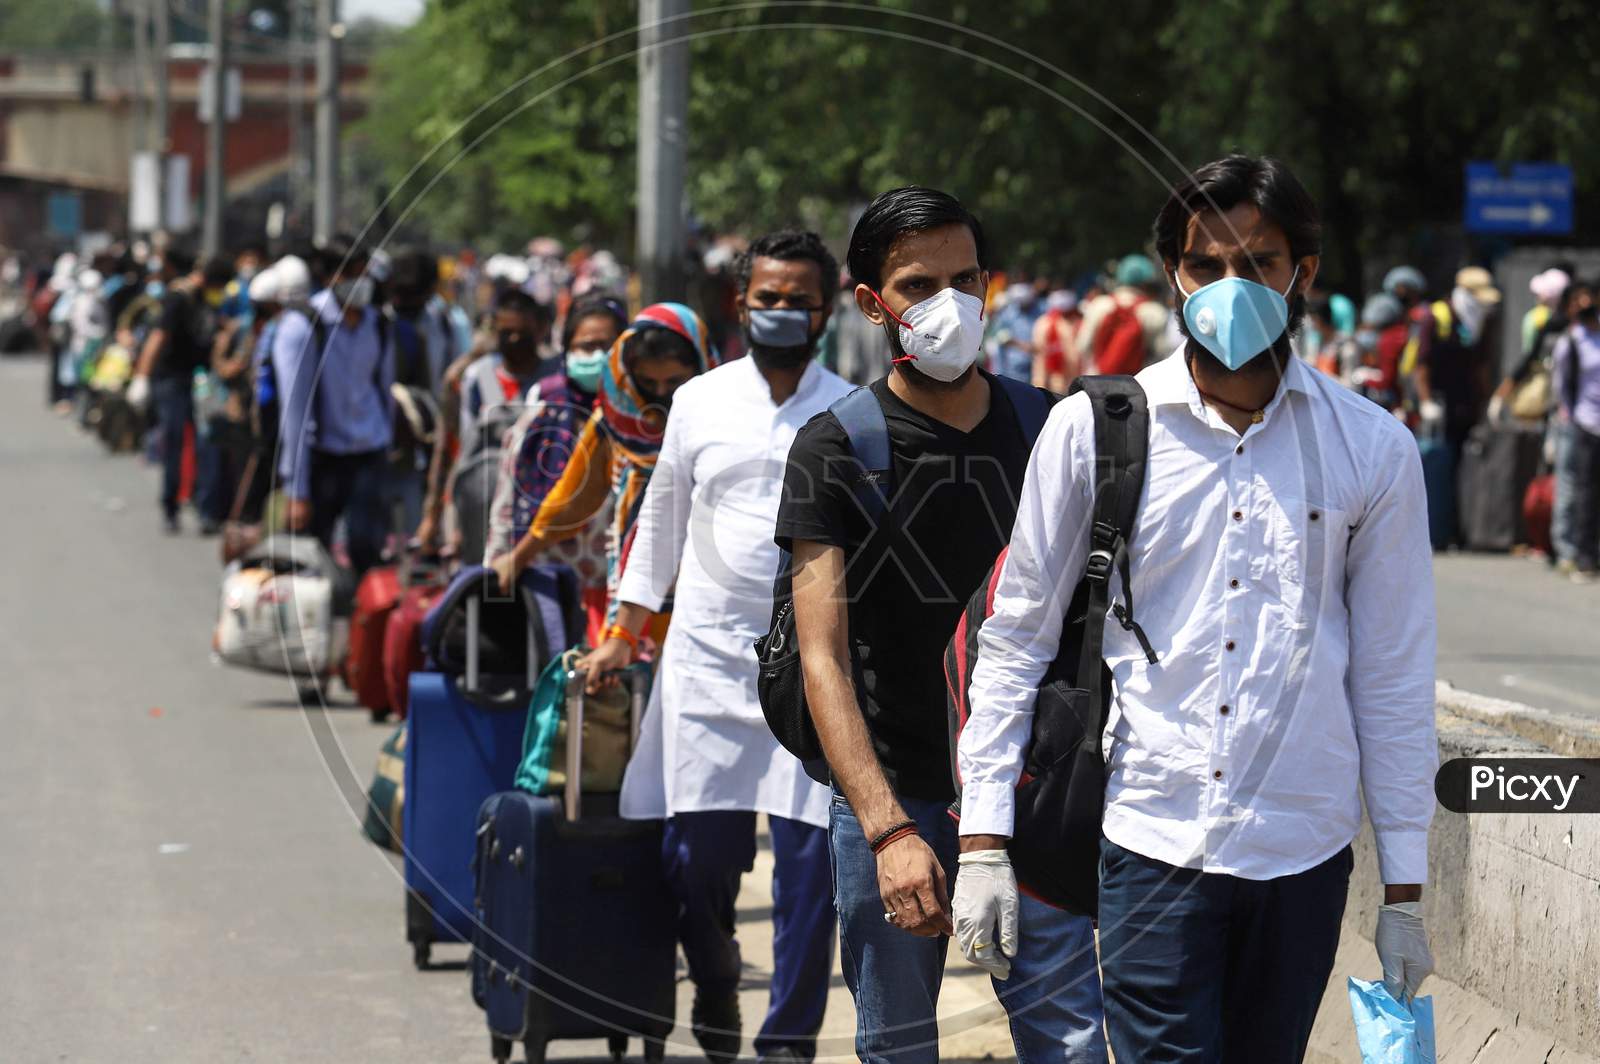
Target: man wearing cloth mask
[(874, 605), (706, 760), (336, 412), (1281, 566)]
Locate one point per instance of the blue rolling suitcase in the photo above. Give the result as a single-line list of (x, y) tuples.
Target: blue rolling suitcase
[(464, 732), (576, 937)]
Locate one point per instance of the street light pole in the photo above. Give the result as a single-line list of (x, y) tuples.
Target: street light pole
[(163, 45), (663, 140), (297, 80), (216, 143), (325, 216)]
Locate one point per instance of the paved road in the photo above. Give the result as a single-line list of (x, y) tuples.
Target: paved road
[(183, 878), (1510, 627)]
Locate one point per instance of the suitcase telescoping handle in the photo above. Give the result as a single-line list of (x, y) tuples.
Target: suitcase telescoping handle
[(573, 793), (474, 629)]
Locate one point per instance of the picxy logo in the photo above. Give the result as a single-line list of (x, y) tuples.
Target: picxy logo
[(1519, 785)]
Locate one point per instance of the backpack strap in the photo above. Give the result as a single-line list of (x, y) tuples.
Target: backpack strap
[(1121, 444), (1030, 404), (861, 416)]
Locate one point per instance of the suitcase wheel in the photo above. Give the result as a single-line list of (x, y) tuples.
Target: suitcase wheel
[(379, 715), (421, 955), (655, 1050), (500, 1048), (618, 1044)]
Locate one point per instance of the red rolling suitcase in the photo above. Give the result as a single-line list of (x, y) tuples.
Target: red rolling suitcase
[(422, 582), (376, 598)]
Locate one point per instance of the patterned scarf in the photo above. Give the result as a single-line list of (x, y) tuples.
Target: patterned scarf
[(622, 407)]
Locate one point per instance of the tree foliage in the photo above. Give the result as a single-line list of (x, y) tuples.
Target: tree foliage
[(1062, 125)]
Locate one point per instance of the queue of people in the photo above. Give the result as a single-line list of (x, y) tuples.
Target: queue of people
[(1277, 678)]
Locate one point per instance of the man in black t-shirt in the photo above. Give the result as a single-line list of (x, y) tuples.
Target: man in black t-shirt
[(178, 345), (875, 602)]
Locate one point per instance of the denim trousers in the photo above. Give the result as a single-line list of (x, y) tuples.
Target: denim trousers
[(1575, 524), (1052, 998), (1206, 968), (174, 407)]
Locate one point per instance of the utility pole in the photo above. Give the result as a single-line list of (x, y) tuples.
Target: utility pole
[(216, 142), (297, 90), (162, 46), (326, 206), (663, 140), (141, 75)]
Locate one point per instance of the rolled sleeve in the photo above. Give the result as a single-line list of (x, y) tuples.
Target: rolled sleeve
[(1389, 594), (1019, 640)]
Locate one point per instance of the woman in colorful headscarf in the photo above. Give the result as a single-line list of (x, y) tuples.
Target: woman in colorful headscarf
[(664, 347)]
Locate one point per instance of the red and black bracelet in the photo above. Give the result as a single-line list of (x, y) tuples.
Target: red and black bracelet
[(893, 833)]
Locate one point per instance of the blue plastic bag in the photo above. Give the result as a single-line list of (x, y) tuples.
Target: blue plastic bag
[(1387, 1031)]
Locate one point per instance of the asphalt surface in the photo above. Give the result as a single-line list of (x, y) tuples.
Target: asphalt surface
[(183, 875)]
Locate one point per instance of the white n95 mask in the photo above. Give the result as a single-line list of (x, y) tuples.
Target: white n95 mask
[(941, 336)]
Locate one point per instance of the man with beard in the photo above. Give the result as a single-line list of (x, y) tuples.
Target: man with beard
[(876, 597), (706, 760), (1281, 565)]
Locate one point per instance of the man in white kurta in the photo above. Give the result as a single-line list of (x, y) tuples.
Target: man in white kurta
[(706, 760)]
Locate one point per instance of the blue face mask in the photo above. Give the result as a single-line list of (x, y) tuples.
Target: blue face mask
[(585, 368), (780, 327), (1236, 319)]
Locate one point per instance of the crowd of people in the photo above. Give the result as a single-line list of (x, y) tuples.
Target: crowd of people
[(1279, 671)]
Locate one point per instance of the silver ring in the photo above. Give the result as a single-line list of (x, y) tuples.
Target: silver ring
[(889, 917)]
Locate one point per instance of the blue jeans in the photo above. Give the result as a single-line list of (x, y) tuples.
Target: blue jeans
[(1204, 968), (1575, 524), (174, 407), (1052, 998), (704, 855)]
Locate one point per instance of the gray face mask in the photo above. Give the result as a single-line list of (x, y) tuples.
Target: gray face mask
[(780, 338), (355, 294)]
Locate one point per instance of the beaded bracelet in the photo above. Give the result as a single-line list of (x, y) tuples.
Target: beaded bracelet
[(893, 833)]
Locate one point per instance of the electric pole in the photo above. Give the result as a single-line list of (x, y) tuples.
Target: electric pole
[(216, 142), (663, 140), (163, 45), (297, 91), (325, 216)]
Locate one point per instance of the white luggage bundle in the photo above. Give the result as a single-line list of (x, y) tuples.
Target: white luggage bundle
[(284, 610)]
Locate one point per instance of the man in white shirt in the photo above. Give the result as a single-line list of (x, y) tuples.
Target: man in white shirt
[(1281, 567), (707, 761)]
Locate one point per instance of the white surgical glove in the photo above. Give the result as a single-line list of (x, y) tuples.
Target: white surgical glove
[(1497, 408), (1432, 412), (985, 909), (138, 394), (1403, 950)]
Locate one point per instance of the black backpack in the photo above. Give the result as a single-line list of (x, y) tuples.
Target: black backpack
[(780, 683), (1060, 797)]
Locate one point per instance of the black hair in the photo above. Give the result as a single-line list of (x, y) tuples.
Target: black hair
[(252, 247), (652, 342), (912, 209), (589, 305), (1224, 184), (218, 272), (789, 245), (520, 302), (413, 270), (177, 260), (338, 252)]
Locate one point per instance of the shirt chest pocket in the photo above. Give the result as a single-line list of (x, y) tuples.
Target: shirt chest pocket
[(1299, 550)]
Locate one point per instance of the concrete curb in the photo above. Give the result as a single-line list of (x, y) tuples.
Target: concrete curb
[(1510, 905), (1560, 733)]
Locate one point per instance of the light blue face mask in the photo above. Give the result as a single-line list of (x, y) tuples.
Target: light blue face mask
[(780, 326), (1236, 319), (585, 368)]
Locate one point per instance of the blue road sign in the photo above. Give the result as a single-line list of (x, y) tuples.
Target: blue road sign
[(1527, 198)]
